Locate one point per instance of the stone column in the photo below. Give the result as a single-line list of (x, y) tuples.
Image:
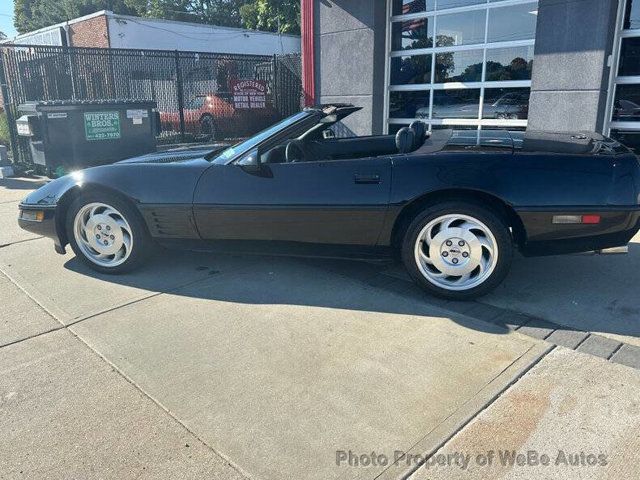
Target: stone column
[(350, 40), (574, 40)]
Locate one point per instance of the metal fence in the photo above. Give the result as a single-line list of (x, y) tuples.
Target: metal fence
[(201, 97)]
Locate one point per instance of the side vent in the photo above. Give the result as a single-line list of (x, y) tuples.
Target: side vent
[(170, 222)]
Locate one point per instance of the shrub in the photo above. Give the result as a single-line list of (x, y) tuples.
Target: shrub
[(5, 139)]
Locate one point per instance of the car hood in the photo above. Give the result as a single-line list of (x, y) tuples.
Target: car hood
[(177, 155), (163, 177)]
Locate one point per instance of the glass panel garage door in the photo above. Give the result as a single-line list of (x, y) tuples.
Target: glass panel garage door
[(460, 63), (624, 100)]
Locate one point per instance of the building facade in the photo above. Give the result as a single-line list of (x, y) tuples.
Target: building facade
[(105, 29), (567, 65)]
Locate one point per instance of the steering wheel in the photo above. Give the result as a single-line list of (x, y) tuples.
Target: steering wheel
[(296, 151)]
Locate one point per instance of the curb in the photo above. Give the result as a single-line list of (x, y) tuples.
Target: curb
[(529, 325)]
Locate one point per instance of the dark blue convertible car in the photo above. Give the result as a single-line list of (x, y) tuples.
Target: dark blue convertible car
[(452, 204)]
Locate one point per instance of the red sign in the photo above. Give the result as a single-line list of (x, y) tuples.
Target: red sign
[(249, 94)]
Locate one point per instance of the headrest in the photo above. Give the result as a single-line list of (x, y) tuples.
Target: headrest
[(404, 140), (420, 131)]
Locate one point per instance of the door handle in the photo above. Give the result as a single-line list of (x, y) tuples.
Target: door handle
[(367, 179)]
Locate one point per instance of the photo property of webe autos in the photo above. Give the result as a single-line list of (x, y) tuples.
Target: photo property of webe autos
[(453, 205)]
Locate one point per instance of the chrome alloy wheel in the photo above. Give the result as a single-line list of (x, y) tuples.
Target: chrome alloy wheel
[(103, 234), (456, 252)]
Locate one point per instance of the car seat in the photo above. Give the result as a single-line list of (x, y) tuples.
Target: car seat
[(405, 139), (420, 132)]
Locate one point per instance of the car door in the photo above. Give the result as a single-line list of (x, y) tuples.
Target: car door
[(326, 202)]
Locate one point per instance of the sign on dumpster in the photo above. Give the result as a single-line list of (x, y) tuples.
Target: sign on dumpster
[(249, 94), (102, 125)]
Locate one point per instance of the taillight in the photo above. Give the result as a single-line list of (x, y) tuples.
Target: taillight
[(577, 219), (591, 219)]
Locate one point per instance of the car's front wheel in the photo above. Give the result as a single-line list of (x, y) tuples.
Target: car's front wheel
[(208, 127), (457, 250), (107, 233)]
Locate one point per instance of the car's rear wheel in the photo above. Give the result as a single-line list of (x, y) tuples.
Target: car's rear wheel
[(107, 233), (457, 250)]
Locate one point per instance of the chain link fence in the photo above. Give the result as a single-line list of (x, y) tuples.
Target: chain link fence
[(201, 97)]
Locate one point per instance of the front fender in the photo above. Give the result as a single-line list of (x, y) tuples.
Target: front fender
[(166, 184), (49, 195), (152, 183)]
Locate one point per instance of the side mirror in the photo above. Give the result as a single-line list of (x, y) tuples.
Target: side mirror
[(328, 134), (251, 163), (251, 159)]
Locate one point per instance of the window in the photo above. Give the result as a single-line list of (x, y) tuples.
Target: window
[(406, 7), (411, 70), (456, 103), (195, 103), (459, 66), (629, 57), (623, 113), (506, 103), (626, 105), (464, 28), (514, 63), (409, 105), (444, 4), (460, 63), (632, 15), (517, 22), (413, 34)]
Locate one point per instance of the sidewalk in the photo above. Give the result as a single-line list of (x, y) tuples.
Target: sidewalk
[(576, 412)]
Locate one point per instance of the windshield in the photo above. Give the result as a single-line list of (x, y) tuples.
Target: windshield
[(246, 146), (195, 103)]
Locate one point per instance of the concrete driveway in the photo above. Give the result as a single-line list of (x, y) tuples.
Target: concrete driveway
[(205, 366)]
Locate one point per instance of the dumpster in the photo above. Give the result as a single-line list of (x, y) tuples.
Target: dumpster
[(70, 135)]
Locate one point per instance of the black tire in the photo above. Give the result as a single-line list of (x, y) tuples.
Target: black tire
[(489, 218), (142, 244), (208, 127)]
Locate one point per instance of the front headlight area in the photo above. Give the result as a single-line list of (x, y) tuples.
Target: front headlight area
[(39, 220), (30, 215)]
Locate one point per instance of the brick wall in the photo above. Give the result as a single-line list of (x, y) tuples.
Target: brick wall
[(90, 33)]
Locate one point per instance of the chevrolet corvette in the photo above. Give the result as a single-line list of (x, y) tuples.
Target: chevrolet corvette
[(452, 205)]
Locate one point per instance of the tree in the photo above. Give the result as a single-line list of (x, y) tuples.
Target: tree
[(272, 15), (281, 16), (3, 36), (23, 14), (34, 14), (211, 12), (518, 69)]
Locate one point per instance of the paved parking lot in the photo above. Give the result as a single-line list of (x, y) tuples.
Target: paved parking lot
[(206, 366)]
